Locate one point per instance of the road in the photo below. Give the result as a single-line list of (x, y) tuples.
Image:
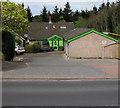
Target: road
[(60, 93)]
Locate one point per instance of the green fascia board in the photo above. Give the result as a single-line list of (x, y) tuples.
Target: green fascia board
[(52, 37), (92, 32)]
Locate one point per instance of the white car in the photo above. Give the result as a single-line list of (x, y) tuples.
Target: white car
[(19, 49)]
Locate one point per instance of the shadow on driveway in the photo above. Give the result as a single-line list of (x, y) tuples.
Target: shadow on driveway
[(7, 66)]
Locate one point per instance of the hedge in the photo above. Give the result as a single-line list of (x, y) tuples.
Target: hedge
[(8, 45), (32, 48)]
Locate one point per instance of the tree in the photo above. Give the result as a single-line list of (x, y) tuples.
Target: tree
[(102, 6), (49, 13), (14, 17), (29, 14), (83, 13), (61, 19), (60, 12), (56, 14), (95, 10), (67, 12), (117, 29), (37, 18), (23, 5), (76, 14), (82, 22), (44, 14), (86, 13)]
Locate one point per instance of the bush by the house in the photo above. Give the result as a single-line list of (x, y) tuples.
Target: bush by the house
[(32, 48), (18, 41), (8, 45)]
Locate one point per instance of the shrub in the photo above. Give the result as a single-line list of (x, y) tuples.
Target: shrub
[(18, 41), (8, 45), (32, 48)]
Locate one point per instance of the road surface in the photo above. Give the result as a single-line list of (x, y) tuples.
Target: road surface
[(60, 93)]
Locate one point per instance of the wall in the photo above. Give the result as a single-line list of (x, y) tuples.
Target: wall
[(90, 46), (118, 51)]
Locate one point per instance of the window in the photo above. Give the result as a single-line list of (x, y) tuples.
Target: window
[(63, 27), (46, 28), (45, 43)]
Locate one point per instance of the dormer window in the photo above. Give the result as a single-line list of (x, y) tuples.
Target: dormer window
[(46, 28), (63, 27)]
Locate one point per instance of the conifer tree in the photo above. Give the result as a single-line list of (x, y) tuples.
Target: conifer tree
[(44, 14), (56, 14), (95, 10), (67, 12), (23, 5), (29, 14)]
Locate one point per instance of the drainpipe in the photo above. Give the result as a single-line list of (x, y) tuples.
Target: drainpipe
[(103, 52), (68, 50)]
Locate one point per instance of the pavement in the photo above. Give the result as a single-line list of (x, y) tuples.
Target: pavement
[(55, 66)]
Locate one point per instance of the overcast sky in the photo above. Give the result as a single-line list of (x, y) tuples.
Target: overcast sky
[(37, 5)]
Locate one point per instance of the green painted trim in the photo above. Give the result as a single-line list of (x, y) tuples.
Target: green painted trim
[(92, 32), (52, 37)]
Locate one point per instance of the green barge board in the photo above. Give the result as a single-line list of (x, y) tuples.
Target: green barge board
[(55, 42)]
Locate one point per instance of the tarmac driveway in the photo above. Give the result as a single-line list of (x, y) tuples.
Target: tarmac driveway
[(55, 65)]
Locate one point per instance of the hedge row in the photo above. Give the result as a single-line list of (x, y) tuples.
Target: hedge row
[(8, 45), (32, 48)]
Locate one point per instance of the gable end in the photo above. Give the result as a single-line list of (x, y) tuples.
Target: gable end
[(92, 31)]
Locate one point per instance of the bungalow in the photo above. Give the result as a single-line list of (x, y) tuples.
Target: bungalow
[(77, 42), (88, 43), (51, 32)]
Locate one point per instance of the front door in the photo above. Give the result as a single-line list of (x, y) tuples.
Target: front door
[(55, 45)]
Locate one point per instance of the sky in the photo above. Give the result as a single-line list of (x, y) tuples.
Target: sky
[(36, 6)]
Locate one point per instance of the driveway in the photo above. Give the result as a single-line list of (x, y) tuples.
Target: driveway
[(55, 65)]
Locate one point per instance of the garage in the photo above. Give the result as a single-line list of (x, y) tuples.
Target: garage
[(90, 44)]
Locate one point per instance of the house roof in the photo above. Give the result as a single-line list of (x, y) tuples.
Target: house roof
[(91, 31), (45, 30), (75, 32)]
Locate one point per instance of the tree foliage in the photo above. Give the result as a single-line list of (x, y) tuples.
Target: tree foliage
[(29, 14), (44, 14), (14, 17), (37, 18), (107, 18), (8, 45), (104, 18), (67, 12), (55, 14), (81, 22)]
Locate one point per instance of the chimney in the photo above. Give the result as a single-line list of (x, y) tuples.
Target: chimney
[(50, 22)]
